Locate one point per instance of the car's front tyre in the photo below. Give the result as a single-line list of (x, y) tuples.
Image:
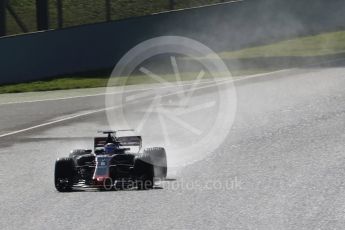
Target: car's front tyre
[(144, 172), (159, 161), (64, 174)]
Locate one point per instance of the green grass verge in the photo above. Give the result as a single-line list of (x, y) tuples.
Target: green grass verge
[(55, 84), (311, 46), (94, 82)]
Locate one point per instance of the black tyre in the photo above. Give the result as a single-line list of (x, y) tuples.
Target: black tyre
[(159, 161), (64, 174), (144, 172)]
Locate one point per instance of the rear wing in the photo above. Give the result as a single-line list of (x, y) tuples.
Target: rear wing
[(124, 141), (100, 141), (130, 141)]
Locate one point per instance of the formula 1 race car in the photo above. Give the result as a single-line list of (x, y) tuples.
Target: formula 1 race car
[(111, 165)]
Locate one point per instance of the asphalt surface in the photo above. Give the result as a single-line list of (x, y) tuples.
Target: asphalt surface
[(282, 165)]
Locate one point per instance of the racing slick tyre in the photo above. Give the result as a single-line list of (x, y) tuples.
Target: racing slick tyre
[(64, 174), (144, 172), (159, 161)]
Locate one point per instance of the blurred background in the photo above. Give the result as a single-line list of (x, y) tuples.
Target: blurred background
[(31, 15), (80, 41)]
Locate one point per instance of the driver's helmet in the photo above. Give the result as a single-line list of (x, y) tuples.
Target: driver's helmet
[(110, 148)]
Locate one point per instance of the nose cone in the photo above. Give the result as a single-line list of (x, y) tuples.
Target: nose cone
[(99, 179), (103, 182)]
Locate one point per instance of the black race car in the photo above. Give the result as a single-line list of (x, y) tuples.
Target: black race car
[(111, 165)]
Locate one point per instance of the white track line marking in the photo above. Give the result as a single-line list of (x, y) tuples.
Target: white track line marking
[(54, 99), (56, 121), (184, 84), (94, 95), (136, 90), (116, 107)]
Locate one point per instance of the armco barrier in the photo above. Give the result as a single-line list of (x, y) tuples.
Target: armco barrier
[(226, 26)]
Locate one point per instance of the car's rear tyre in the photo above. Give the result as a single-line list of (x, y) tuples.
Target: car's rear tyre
[(144, 172), (159, 161), (64, 174)]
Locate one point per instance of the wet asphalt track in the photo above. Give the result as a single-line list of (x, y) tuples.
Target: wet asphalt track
[(281, 167)]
